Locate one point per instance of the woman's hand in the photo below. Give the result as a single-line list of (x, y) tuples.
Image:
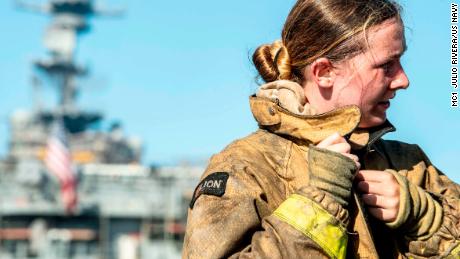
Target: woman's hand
[(380, 192), (338, 144)]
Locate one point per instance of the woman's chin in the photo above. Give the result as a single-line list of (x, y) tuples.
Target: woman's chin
[(372, 122)]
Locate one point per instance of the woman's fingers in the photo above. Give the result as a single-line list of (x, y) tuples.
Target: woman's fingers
[(385, 215), (340, 148), (338, 144), (332, 139), (354, 158), (380, 193), (378, 188), (375, 176), (380, 201)]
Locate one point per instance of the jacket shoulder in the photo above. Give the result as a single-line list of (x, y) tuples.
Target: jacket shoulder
[(402, 155), (260, 150), (399, 146)]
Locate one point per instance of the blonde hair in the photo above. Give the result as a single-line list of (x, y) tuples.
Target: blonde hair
[(334, 29)]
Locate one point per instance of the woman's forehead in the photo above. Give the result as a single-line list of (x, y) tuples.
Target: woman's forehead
[(387, 40)]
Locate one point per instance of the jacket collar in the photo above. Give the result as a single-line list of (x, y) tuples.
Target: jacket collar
[(374, 134), (311, 129)]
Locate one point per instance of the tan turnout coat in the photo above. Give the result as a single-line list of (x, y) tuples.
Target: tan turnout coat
[(232, 213)]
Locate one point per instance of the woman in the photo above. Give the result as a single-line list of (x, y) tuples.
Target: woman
[(316, 180)]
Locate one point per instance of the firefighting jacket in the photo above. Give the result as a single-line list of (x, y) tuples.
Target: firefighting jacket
[(260, 197)]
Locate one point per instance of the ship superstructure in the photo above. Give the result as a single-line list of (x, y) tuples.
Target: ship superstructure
[(125, 209)]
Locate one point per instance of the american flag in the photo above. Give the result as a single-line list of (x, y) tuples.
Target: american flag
[(58, 160)]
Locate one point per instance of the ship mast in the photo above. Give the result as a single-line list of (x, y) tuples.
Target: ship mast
[(69, 22)]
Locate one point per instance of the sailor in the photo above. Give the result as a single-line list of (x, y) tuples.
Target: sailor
[(317, 180)]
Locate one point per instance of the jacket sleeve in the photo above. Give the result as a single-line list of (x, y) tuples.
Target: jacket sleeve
[(431, 225), (233, 225)]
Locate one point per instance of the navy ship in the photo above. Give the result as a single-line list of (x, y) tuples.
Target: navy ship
[(68, 187)]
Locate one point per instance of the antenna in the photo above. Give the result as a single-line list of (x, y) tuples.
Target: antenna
[(36, 87), (34, 7)]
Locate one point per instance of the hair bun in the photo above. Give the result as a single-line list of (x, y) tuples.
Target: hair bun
[(272, 61)]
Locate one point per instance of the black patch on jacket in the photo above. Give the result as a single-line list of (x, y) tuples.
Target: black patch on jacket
[(213, 184)]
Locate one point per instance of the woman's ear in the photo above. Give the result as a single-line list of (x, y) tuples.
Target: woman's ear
[(321, 72)]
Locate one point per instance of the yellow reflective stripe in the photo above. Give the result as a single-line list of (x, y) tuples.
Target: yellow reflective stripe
[(316, 223), (456, 250)]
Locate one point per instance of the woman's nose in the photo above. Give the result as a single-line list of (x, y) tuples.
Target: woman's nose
[(400, 81)]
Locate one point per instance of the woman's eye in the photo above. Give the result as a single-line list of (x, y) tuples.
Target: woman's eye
[(386, 67)]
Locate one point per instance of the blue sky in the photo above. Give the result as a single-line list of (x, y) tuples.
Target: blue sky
[(178, 74)]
